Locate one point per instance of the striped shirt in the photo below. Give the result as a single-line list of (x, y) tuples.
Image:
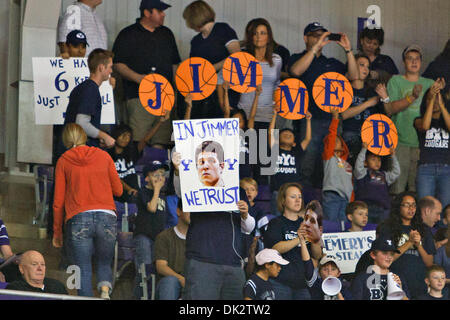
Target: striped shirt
[(80, 16), (4, 239)]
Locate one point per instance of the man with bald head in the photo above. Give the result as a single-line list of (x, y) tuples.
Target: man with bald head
[(430, 209), (32, 268)]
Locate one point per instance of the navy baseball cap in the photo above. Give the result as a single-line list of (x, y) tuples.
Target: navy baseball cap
[(157, 4), (76, 37), (314, 26), (153, 166), (383, 243)]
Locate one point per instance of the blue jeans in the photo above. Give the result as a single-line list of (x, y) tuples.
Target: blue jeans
[(333, 206), (208, 281), (311, 172), (434, 180), (168, 288), (144, 254), (284, 292), (377, 214), (89, 231)]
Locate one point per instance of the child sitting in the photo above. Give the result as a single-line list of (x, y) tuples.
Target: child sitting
[(435, 280), (337, 181), (372, 183), (151, 217), (357, 214), (372, 283), (258, 287), (288, 164)]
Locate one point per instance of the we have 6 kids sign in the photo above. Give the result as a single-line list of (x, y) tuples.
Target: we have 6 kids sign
[(209, 165), (54, 79)]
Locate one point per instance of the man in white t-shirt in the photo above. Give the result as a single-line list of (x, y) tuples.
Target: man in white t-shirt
[(82, 16)]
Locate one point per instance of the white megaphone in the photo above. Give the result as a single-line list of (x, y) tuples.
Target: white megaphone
[(331, 286), (394, 292)]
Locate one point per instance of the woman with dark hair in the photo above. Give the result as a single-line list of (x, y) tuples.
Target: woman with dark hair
[(413, 239), (370, 42), (282, 235), (214, 42), (433, 127), (440, 68), (259, 42), (124, 155)]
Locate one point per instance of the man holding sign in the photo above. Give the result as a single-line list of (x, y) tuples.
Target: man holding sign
[(142, 48), (85, 102)]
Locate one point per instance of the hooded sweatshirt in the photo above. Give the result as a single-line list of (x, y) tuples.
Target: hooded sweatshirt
[(337, 171), (85, 179)]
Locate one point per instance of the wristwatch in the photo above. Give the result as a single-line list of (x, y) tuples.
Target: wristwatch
[(385, 100)]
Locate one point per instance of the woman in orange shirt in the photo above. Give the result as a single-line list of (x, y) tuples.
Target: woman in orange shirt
[(85, 182)]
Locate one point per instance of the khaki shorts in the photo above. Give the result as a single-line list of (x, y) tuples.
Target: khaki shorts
[(141, 122), (408, 158)]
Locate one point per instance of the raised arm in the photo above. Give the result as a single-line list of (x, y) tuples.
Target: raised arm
[(150, 133), (251, 118), (308, 135), (302, 64)]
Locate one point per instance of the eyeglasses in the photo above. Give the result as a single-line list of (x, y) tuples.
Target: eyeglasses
[(408, 205)]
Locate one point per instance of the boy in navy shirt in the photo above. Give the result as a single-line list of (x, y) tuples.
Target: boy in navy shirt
[(288, 164), (85, 102), (258, 287), (435, 280), (372, 284), (357, 213), (372, 184)]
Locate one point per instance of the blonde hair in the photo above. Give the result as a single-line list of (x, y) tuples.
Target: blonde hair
[(73, 135), (249, 181), (198, 13)]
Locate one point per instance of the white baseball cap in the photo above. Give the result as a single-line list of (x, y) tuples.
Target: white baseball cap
[(328, 258), (268, 256)]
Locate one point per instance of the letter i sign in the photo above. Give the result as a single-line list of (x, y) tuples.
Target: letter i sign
[(380, 134)]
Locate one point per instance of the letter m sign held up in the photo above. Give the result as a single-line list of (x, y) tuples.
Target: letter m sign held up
[(243, 72)]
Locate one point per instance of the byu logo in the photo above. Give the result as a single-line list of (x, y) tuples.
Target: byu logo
[(389, 242)]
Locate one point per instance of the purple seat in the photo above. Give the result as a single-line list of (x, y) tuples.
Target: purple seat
[(3, 285), (368, 227), (331, 226), (150, 154)]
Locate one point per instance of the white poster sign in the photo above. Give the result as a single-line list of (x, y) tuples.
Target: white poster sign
[(54, 79), (209, 169), (347, 247)]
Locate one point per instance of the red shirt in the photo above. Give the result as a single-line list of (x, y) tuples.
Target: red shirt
[(85, 179)]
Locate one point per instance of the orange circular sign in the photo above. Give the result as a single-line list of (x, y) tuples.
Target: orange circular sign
[(291, 99), (332, 91), (243, 72), (380, 134), (196, 76), (156, 94)]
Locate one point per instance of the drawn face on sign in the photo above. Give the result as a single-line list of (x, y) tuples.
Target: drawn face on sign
[(210, 169)]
